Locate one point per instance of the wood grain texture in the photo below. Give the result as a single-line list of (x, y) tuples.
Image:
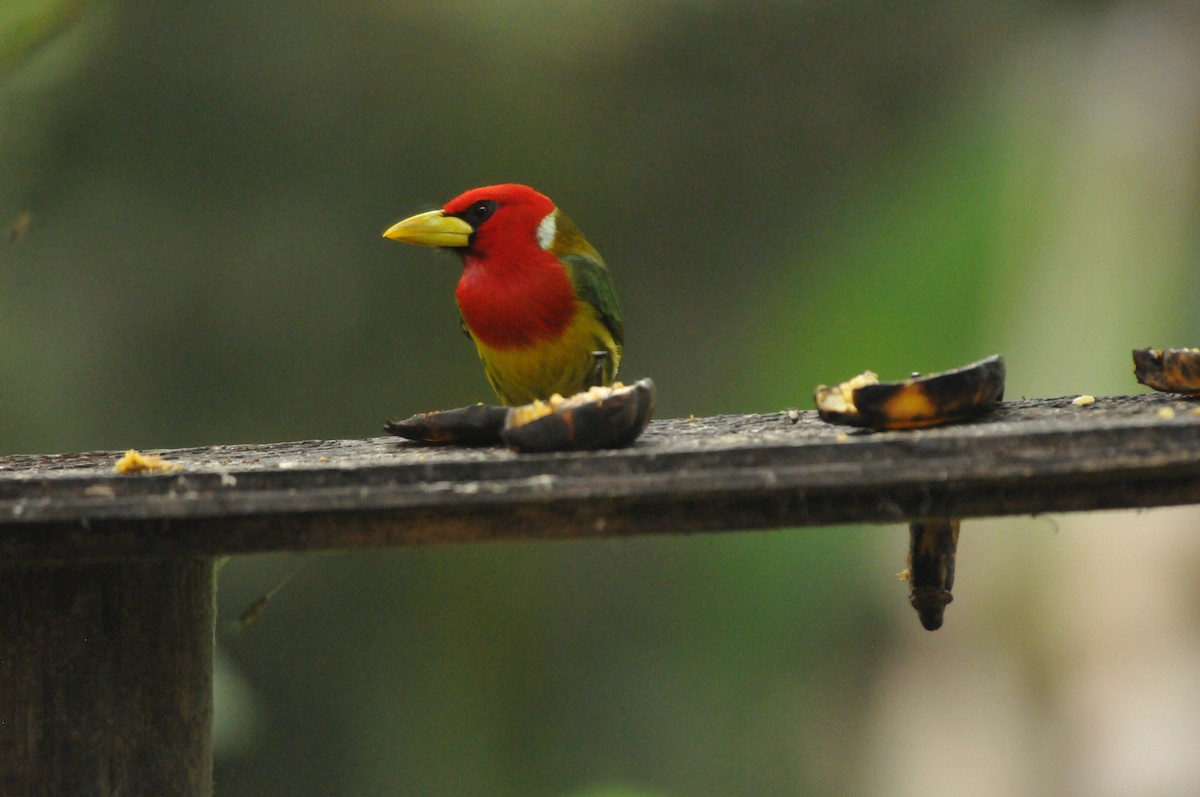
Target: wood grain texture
[(684, 475)]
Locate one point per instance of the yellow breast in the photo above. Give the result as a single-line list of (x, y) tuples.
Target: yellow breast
[(565, 365)]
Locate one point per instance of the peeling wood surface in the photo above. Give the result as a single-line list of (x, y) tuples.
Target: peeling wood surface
[(684, 475)]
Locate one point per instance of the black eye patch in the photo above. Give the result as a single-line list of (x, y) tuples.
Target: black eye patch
[(479, 212)]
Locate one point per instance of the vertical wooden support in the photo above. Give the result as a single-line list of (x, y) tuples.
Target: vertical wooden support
[(106, 678)]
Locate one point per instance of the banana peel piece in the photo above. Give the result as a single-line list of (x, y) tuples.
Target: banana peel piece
[(933, 543), (476, 425), (914, 403), (1168, 370), (601, 417)]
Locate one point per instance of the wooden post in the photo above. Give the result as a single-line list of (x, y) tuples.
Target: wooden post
[(106, 678)]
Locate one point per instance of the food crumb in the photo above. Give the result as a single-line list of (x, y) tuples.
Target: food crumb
[(1166, 413), (134, 462), (1084, 400)]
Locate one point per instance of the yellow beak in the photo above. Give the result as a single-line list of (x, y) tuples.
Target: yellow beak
[(433, 228)]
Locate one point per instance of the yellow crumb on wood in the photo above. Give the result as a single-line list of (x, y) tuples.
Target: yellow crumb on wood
[(1166, 413), (136, 462), (1081, 401)]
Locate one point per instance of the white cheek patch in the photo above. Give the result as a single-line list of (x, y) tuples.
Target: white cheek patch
[(546, 231)]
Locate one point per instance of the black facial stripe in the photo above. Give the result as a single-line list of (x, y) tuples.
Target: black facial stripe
[(478, 212)]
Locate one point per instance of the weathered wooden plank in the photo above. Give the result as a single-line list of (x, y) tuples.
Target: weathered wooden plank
[(725, 472)]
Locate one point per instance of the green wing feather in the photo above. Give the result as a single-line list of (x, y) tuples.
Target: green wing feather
[(593, 285)]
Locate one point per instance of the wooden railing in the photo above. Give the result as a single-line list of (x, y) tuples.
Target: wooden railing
[(106, 580)]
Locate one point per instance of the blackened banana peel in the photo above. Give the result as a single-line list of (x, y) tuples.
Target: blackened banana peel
[(602, 417), (933, 543), (918, 402), (476, 425), (1169, 370)]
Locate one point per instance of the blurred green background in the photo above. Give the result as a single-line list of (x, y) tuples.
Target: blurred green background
[(191, 199)]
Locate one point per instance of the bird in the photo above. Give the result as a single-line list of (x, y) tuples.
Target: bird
[(535, 297)]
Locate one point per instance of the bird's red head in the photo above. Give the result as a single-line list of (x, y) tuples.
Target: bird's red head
[(514, 290), (505, 219)]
